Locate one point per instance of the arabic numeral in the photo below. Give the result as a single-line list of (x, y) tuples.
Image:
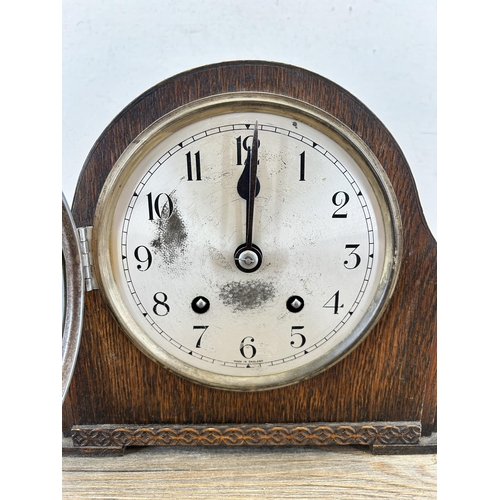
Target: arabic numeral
[(340, 199), (300, 341), (334, 303), (302, 166), (143, 255), (247, 350), (204, 328), (161, 308), (197, 162), (159, 205), (349, 264), (243, 144)]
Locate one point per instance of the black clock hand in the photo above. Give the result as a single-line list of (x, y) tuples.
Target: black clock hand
[(243, 186), (248, 257), (254, 160)]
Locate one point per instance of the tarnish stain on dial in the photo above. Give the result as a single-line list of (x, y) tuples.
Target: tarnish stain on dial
[(171, 236), (243, 295), (218, 257)]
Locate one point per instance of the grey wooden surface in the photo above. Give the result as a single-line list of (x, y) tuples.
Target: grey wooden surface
[(237, 473)]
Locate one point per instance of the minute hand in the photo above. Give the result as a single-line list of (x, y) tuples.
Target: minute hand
[(248, 257), (254, 161)]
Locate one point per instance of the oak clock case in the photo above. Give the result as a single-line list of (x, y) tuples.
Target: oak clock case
[(246, 237)]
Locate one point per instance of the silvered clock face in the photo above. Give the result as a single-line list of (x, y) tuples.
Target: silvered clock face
[(247, 242)]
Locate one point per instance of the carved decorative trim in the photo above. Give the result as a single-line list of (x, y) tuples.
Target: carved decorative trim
[(312, 434)]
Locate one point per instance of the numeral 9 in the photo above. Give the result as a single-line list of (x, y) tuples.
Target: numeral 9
[(148, 258)]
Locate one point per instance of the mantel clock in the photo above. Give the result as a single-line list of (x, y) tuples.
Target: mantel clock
[(258, 271)]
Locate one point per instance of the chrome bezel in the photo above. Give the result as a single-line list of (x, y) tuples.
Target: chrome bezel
[(227, 103)]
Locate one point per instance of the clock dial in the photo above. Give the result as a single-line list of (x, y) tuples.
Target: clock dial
[(247, 242)]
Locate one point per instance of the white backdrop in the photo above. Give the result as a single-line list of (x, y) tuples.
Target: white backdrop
[(382, 51)]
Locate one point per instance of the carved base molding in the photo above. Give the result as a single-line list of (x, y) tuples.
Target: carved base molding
[(311, 434)]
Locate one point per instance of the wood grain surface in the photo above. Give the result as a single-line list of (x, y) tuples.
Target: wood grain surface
[(390, 377), (291, 473)]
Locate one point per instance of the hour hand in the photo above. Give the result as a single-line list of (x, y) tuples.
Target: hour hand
[(243, 186)]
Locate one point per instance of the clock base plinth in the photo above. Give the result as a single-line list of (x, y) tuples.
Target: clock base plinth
[(401, 437), (69, 450), (427, 445)]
